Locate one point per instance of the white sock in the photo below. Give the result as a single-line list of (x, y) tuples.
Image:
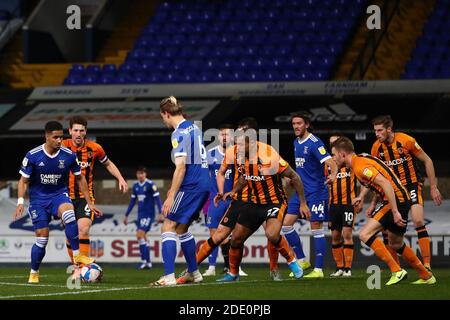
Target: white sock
[(318, 269), (34, 271), (212, 268), (76, 252)]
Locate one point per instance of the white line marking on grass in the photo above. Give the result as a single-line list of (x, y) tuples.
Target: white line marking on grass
[(18, 276), (38, 285), (70, 293)]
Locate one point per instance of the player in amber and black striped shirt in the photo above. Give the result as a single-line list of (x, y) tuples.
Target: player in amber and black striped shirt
[(390, 215), (88, 153), (400, 152), (342, 216)]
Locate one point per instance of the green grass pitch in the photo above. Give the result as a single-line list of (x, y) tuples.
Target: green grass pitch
[(124, 282)]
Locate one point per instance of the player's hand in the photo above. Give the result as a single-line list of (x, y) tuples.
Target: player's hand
[(160, 218), (167, 205), (330, 179), (95, 210), (370, 210), (125, 220), (228, 195), (304, 212), (217, 198), (436, 195), (358, 204), (123, 186), (18, 213), (398, 220)]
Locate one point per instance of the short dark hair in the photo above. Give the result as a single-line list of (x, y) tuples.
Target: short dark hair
[(53, 126), (141, 168), (385, 120), (248, 123), (171, 106), (77, 120), (224, 126), (343, 144), (304, 115)]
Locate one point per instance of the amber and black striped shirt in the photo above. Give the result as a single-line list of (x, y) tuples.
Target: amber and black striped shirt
[(86, 157), (343, 189), (367, 167), (400, 157)]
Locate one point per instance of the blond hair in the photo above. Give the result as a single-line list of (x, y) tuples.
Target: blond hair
[(171, 106)]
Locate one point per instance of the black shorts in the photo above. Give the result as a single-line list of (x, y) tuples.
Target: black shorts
[(82, 209), (383, 215), (415, 192), (341, 216), (230, 217), (255, 214)]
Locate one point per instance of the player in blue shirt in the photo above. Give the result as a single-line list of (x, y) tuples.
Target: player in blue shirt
[(215, 158), (45, 171), (147, 196), (310, 158), (187, 194)]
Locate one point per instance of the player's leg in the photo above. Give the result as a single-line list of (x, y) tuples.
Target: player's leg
[(212, 258), (336, 239), (227, 223), (239, 235), (319, 214), (382, 219), (417, 216), (225, 248), (396, 242), (273, 259), (348, 220), (65, 211), (38, 251), (391, 250), (143, 249), (289, 232)]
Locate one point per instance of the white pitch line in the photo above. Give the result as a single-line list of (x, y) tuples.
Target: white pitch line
[(18, 276), (40, 285), (133, 288), (70, 292)]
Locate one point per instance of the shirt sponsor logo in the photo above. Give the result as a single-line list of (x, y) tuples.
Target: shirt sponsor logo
[(343, 175), (83, 164), (254, 178), (395, 162), (299, 162), (50, 178)]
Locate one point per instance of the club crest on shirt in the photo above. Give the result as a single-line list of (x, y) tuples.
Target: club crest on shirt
[(305, 150), (61, 164)]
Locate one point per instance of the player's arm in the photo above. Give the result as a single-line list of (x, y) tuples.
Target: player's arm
[(429, 169), (22, 188), (112, 168), (177, 179), (390, 195), (220, 180), (297, 183), (358, 202), (334, 170), (130, 207), (238, 186), (82, 184)]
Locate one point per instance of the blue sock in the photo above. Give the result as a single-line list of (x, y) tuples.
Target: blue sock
[(319, 245), (188, 246), (147, 256), (38, 252), (169, 251), (143, 249), (213, 257), (294, 241), (71, 229)]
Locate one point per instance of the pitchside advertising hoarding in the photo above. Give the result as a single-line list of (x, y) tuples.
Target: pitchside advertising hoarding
[(112, 241), (109, 115)]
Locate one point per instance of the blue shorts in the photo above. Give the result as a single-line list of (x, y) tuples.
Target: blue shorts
[(41, 211), (144, 222), (318, 208), (215, 214), (187, 206)]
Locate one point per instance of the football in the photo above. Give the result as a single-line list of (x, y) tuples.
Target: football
[(91, 273)]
